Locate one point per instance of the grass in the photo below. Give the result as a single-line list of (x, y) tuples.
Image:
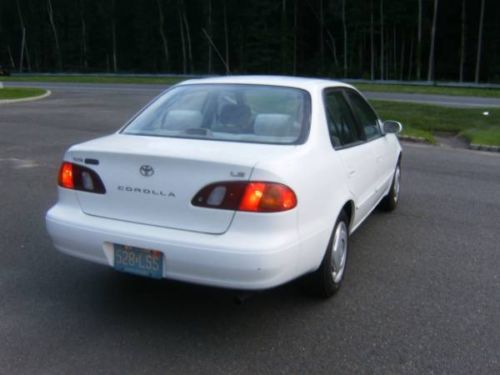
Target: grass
[(422, 120), (483, 136), (84, 78), (20, 92), (419, 133), (435, 90)]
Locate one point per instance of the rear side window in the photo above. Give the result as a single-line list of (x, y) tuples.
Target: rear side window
[(365, 114), (228, 112), (341, 123)]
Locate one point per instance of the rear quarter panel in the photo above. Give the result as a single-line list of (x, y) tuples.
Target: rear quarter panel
[(316, 175)]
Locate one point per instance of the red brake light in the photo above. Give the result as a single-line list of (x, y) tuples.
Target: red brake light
[(255, 196), (252, 197), (77, 177), (66, 176)]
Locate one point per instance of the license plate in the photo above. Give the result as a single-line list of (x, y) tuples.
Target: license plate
[(138, 261)]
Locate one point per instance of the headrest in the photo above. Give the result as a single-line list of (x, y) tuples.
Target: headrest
[(235, 114), (273, 124), (182, 119)]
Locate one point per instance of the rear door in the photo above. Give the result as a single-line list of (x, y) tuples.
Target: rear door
[(378, 144), (356, 154)]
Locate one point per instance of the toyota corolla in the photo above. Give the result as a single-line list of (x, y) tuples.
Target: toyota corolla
[(236, 182)]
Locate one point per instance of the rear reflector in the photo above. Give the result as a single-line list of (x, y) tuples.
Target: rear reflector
[(253, 196), (77, 177)]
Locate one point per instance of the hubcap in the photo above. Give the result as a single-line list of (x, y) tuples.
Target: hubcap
[(397, 177), (339, 251)]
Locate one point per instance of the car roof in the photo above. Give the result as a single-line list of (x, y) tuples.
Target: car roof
[(304, 83)]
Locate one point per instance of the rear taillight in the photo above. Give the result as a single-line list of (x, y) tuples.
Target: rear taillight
[(253, 196), (77, 177)]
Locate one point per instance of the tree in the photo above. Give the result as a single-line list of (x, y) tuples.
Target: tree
[(161, 29), (209, 33), (284, 39), (50, 12), (430, 71), (410, 59), (188, 35), (24, 46), (372, 44), (382, 39), (11, 58), (479, 43), (419, 41), (226, 38), (462, 43), (344, 26), (210, 40), (113, 36), (295, 31), (378, 39), (183, 38), (321, 35), (402, 61), (85, 63), (394, 52)]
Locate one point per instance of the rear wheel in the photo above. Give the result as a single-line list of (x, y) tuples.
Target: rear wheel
[(327, 279), (390, 201)]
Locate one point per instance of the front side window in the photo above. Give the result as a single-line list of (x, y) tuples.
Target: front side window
[(365, 115), (238, 113), (341, 123)]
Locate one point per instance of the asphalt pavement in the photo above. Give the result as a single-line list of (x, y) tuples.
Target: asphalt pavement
[(421, 294), (443, 100)]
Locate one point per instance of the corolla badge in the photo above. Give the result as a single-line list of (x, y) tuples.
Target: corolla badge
[(147, 170)]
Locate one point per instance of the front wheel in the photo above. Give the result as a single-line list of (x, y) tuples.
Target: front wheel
[(390, 201), (327, 279)]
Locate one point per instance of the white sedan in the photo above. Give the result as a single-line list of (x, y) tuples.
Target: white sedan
[(237, 182)]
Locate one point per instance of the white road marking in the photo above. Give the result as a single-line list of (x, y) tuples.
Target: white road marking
[(20, 163)]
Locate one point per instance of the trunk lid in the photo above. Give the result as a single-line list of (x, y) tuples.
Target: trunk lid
[(152, 180)]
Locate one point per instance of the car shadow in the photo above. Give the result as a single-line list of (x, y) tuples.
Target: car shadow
[(174, 307)]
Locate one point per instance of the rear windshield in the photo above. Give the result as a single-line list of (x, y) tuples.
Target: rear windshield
[(238, 113)]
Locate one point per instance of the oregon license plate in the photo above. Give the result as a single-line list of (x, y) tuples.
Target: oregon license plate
[(138, 261)]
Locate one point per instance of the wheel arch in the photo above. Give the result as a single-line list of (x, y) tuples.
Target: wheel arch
[(349, 209)]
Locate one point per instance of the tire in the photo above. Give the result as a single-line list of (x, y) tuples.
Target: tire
[(390, 201), (327, 279)]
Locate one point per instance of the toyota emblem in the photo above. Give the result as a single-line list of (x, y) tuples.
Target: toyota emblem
[(147, 170)]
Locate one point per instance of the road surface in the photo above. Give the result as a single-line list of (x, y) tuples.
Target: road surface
[(447, 101), (421, 293)]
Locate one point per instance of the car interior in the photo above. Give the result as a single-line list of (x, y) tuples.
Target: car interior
[(238, 114)]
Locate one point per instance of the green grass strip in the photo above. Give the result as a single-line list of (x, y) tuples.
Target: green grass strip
[(94, 79), (20, 92), (478, 125), (433, 90)]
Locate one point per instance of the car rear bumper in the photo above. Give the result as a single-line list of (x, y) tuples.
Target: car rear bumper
[(238, 259)]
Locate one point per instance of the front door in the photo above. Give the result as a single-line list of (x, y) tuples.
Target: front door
[(356, 155)]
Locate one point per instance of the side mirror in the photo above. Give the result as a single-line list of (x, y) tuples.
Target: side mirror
[(392, 127)]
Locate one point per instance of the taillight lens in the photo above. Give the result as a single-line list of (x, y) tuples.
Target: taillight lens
[(77, 177), (252, 196), (66, 176)]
